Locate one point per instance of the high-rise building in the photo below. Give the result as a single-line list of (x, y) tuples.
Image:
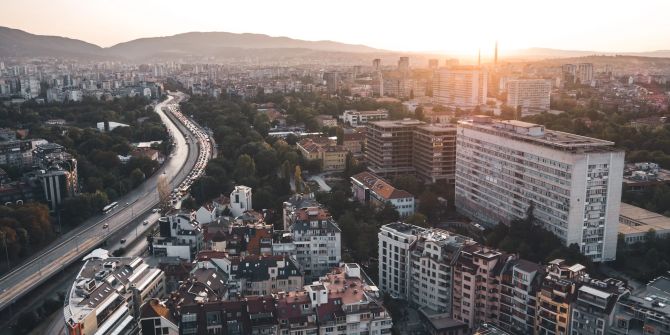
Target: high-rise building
[(532, 96), (434, 148), (570, 184), (394, 243), (403, 64), (389, 147), (332, 80), (585, 73), (433, 64), (462, 87), (376, 64)]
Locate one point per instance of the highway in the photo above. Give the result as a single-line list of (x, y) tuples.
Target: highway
[(75, 244)]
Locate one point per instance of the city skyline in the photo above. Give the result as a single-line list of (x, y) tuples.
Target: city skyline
[(426, 30)]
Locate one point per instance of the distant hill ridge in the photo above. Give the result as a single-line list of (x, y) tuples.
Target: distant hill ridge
[(18, 43)]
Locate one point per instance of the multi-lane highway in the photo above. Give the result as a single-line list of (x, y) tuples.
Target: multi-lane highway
[(72, 246)]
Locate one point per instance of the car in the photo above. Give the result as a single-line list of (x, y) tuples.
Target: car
[(155, 210), (123, 240), (105, 226), (145, 222)]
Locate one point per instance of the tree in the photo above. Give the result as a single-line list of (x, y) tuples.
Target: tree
[(136, 177), (429, 205), (244, 168), (297, 179), (163, 191), (388, 214)]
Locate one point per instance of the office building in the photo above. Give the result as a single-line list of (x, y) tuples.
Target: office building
[(635, 223), (529, 96), (332, 157), (107, 293), (374, 191), (571, 184), (463, 87)]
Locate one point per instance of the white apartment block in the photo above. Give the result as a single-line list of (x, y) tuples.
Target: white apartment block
[(461, 87), (394, 242), (573, 183), (531, 95)]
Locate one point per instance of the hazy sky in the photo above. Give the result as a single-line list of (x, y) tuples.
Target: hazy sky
[(416, 25)]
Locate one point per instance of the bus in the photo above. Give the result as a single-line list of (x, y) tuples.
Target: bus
[(109, 207)]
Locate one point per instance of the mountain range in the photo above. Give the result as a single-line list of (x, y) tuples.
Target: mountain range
[(224, 45)]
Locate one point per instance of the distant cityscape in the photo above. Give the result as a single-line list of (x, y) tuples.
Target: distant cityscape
[(375, 194)]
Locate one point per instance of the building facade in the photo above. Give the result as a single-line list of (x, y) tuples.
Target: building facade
[(530, 96), (463, 87), (570, 184)]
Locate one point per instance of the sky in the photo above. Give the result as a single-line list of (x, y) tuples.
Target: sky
[(418, 25)]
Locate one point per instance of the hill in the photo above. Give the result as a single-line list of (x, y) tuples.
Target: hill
[(18, 43)]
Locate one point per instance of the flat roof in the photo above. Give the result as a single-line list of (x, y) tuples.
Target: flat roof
[(643, 220), (550, 138), (397, 123)]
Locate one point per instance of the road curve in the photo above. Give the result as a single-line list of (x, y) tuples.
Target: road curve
[(75, 244)]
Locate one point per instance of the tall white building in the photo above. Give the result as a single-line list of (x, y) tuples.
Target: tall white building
[(394, 242), (532, 95), (572, 182), (240, 200), (460, 86)]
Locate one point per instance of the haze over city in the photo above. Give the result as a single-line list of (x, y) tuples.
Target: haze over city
[(418, 26), (334, 168)]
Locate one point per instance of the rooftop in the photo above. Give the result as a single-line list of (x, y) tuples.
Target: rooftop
[(397, 123), (535, 134), (635, 220), (380, 186)]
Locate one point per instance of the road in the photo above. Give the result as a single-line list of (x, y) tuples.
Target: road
[(75, 244)]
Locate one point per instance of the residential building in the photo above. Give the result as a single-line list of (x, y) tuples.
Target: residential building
[(463, 87), (16, 153), (529, 96), (571, 184), (179, 236), (394, 243), (592, 312), (326, 121), (260, 275), (434, 153), (476, 285), (317, 239), (332, 81), (356, 118), (107, 293), (156, 319), (331, 156), (432, 260), (374, 191), (240, 200), (585, 73), (403, 64), (635, 223), (520, 282), (558, 291), (646, 311)]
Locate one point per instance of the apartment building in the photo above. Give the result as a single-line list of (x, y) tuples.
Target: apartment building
[(389, 147), (530, 96), (520, 282), (646, 311), (558, 291), (434, 153), (394, 243), (107, 293), (317, 240), (331, 156), (356, 118), (179, 236), (476, 292), (593, 310), (463, 87), (570, 183), (432, 259), (240, 200), (374, 191)]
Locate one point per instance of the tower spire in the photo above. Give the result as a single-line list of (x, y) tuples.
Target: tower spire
[(479, 57), (495, 55)]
